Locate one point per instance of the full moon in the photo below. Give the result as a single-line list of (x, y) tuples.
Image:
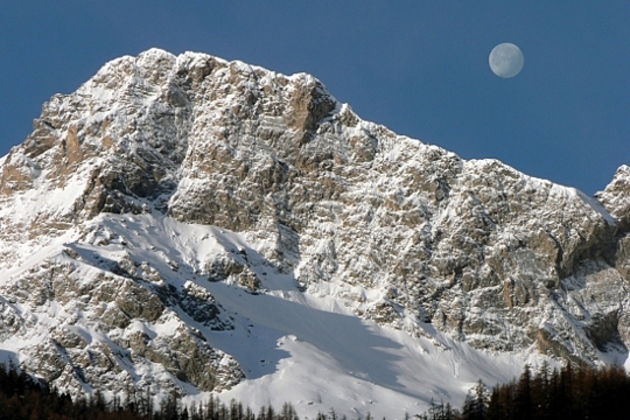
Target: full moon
[(506, 60)]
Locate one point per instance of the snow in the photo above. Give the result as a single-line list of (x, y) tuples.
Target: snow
[(597, 206), (297, 350), (310, 351)]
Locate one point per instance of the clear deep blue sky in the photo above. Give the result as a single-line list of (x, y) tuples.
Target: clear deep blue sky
[(418, 67)]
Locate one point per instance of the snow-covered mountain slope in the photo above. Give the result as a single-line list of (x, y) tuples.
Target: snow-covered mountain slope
[(183, 222), (99, 330)]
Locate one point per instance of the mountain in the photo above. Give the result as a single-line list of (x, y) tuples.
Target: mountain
[(189, 224)]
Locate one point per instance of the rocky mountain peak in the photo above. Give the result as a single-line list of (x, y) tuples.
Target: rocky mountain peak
[(124, 138), (239, 176)]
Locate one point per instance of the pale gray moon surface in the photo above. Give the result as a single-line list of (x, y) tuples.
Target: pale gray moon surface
[(506, 60)]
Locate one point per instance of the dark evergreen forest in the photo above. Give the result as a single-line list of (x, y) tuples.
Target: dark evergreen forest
[(573, 392)]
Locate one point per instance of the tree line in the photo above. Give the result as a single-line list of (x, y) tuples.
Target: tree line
[(573, 392), (25, 398)]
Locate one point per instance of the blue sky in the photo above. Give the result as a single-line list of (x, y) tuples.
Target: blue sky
[(418, 67)]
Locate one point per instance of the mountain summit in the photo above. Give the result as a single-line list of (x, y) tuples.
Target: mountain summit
[(189, 224)]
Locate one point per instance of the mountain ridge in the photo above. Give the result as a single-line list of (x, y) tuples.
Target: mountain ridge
[(298, 199)]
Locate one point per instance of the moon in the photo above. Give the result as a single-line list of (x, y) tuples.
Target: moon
[(506, 60)]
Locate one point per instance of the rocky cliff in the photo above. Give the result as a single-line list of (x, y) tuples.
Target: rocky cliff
[(286, 183)]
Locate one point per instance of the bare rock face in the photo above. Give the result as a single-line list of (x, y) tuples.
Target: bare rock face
[(615, 197), (491, 256), (79, 295)]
